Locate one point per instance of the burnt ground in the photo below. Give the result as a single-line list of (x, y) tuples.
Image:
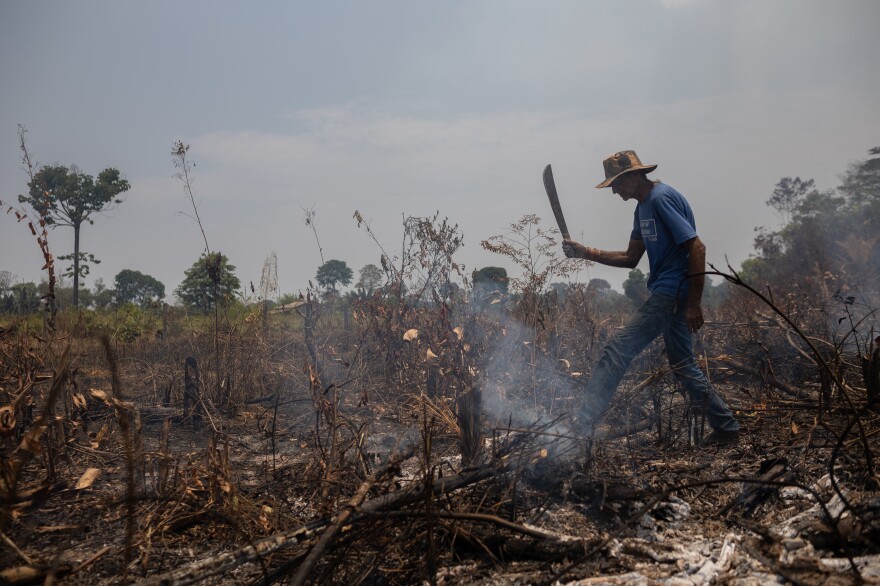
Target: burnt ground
[(644, 508)]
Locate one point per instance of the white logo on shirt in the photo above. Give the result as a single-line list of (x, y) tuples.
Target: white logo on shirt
[(649, 229)]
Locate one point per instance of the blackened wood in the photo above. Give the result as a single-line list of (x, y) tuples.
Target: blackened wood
[(192, 391), (871, 373), (771, 471)]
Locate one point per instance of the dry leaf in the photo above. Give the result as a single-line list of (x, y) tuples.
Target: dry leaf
[(264, 523), (565, 363), (31, 440), (101, 437), (459, 332), (101, 396), (21, 574), (313, 377), (110, 401), (87, 478), (7, 419), (411, 335), (430, 355), (794, 428)]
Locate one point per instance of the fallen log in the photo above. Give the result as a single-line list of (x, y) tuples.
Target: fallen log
[(771, 472), (226, 561), (223, 562), (329, 535), (781, 385), (490, 519), (33, 574)]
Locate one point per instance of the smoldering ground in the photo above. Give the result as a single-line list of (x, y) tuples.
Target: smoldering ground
[(523, 387)]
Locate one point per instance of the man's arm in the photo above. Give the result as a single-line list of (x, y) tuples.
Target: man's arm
[(628, 258), (696, 266)]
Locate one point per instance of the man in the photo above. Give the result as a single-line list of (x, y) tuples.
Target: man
[(664, 227)]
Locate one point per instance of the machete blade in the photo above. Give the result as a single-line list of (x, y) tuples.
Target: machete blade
[(550, 187)]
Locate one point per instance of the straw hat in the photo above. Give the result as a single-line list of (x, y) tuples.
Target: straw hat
[(620, 163)]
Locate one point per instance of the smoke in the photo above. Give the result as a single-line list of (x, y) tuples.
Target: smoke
[(524, 386)]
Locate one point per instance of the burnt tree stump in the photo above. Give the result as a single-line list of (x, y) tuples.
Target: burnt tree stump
[(433, 380), (193, 407), (470, 407), (871, 373)]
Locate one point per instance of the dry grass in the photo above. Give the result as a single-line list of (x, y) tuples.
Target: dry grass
[(297, 432)]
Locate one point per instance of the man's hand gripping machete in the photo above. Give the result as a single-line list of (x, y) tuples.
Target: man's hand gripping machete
[(550, 186)]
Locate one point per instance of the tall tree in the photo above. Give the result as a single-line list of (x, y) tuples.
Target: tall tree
[(599, 285), (6, 281), (334, 272), (489, 279), (79, 269), (861, 183), (209, 280), (370, 278), (136, 287), (488, 283), (636, 286), (789, 194), (829, 239), (102, 297), (22, 298), (66, 197)]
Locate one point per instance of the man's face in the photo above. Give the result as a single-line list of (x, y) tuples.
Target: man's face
[(624, 186)]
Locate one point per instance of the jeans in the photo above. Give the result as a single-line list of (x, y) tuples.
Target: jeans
[(657, 316)]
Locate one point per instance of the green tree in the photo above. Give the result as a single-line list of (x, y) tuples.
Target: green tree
[(861, 183), (136, 287), (370, 278), (491, 279), (862, 180), (22, 298), (132, 322), (715, 295), (560, 289), (636, 286), (828, 239), (6, 297), (487, 283), (599, 285), (209, 280), (64, 294), (332, 273), (66, 197), (788, 195), (6, 281), (79, 269), (102, 297)]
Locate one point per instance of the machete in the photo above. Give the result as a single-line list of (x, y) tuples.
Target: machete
[(550, 186)]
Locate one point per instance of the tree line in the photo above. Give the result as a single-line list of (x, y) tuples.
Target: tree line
[(197, 291), (826, 241)]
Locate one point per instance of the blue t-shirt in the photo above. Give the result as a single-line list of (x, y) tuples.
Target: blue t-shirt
[(663, 222)]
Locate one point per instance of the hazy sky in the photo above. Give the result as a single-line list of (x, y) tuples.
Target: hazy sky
[(407, 107)]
